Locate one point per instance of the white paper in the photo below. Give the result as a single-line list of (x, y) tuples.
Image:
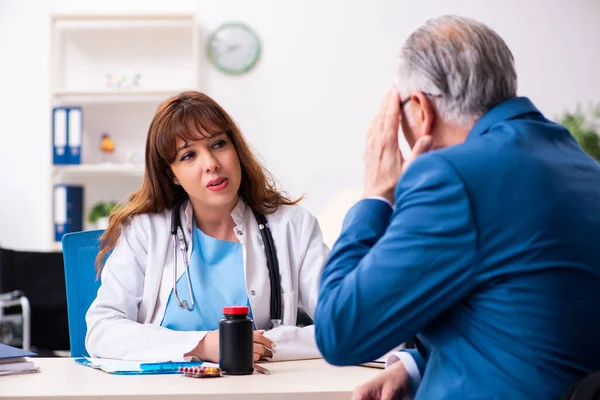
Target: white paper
[(112, 365)]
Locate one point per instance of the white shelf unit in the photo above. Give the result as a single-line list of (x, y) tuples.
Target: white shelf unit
[(117, 68), (96, 170), (112, 96)]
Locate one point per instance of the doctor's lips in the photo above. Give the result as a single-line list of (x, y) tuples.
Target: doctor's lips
[(218, 184)]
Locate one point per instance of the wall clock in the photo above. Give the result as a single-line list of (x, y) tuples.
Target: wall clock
[(233, 48)]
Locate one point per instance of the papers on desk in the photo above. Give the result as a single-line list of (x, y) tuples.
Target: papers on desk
[(380, 362), (120, 367), (13, 361)]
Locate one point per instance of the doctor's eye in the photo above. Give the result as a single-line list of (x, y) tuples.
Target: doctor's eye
[(218, 144), (187, 156)]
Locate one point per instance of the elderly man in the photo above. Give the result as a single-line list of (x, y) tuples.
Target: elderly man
[(484, 248)]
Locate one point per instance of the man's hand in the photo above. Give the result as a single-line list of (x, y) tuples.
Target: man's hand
[(391, 384), (383, 159)]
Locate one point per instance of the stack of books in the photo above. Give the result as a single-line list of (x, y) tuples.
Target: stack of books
[(13, 361)]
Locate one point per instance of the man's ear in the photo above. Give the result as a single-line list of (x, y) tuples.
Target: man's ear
[(422, 113)]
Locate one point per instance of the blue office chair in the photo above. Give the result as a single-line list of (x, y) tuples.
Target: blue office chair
[(80, 250)]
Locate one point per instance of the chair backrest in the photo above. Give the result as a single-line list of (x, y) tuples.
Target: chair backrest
[(587, 388), (80, 250)]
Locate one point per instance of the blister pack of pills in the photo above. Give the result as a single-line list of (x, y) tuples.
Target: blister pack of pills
[(201, 372)]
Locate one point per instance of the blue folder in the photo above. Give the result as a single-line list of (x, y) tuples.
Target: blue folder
[(7, 352), (68, 210)]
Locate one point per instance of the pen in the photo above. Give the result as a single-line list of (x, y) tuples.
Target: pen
[(268, 348), (262, 369)]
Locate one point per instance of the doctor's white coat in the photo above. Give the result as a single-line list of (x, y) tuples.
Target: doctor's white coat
[(124, 320)]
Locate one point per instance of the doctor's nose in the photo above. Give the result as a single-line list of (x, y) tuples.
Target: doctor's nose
[(210, 163)]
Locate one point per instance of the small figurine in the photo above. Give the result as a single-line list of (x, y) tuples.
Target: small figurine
[(106, 144), (121, 81)]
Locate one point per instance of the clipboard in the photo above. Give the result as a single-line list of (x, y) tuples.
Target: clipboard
[(121, 367)]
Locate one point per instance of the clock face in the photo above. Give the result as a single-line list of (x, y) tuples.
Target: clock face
[(233, 48)]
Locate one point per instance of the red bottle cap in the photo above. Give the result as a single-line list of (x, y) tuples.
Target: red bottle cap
[(236, 310)]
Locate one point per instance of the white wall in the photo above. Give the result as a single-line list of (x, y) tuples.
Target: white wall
[(307, 104)]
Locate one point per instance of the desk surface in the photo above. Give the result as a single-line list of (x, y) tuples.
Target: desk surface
[(62, 378)]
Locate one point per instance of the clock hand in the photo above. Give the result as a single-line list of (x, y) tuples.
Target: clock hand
[(232, 47)]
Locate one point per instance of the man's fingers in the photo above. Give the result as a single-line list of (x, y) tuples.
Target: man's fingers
[(423, 145), (391, 121), (379, 120), (360, 393)]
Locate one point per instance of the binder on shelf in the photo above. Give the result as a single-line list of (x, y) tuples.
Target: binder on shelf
[(68, 210), (59, 136), (67, 134), (74, 134)]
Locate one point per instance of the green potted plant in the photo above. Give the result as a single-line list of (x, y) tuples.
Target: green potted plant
[(100, 212), (585, 128)]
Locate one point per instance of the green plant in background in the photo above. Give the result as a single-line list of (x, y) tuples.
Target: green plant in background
[(584, 128), (100, 209)]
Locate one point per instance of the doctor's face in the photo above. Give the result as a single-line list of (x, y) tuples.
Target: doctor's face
[(209, 170)]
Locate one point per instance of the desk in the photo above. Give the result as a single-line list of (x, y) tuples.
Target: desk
[(61, 378)]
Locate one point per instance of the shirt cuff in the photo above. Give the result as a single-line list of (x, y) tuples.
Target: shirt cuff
[(382, 199), (411, 368)]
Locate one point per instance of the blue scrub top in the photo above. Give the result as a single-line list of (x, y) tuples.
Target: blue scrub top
[(217, 277)]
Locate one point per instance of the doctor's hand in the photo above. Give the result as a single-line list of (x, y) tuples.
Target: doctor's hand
[(384, 163), (260, 351), (391, 384), (208, 348)]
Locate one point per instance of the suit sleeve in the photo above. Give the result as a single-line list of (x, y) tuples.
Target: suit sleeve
[(414, 365), (392, 272)]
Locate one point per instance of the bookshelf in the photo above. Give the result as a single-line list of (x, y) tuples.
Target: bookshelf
[(117, 69), (95, 170), (103, 96)]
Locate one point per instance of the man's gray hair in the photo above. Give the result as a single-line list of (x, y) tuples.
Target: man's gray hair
[(463, 65)]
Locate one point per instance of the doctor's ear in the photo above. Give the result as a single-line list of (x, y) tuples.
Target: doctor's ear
[(171, 176)]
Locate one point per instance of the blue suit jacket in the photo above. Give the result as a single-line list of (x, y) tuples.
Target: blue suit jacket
[(491, 257)]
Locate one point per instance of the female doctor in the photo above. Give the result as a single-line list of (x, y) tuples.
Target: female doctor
[(162, 294)]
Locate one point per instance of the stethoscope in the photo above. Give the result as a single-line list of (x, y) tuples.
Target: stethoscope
[(272, 262)]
